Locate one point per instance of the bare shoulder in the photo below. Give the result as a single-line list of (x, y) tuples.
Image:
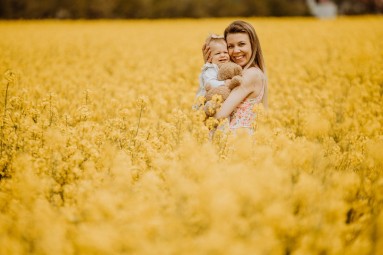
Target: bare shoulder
[(254, 73), (253, 76), (253, 79)]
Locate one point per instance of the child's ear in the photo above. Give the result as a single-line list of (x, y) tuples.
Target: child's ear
[(208, 87)]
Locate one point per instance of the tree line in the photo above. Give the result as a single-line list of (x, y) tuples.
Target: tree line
[(133, 9)]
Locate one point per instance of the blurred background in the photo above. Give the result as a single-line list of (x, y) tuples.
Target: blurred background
[(119, 9)]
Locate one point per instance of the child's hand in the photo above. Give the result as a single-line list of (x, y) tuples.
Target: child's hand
[(206, 53)]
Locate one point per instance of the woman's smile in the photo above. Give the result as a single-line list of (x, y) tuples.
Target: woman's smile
[(239, 47), (238, 57)]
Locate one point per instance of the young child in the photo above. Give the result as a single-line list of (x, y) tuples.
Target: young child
[(209, 72)]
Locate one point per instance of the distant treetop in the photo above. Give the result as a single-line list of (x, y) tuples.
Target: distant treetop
[(132, 9)]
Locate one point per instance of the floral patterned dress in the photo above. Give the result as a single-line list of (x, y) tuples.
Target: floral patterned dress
[(243, 116)]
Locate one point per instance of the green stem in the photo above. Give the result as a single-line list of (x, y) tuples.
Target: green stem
[(50, 110), (4, 115), (139, 121)]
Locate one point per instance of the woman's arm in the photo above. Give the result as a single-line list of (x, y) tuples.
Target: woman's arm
[(251, 82)]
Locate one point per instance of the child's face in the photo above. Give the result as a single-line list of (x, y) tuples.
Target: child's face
[(219, 53)]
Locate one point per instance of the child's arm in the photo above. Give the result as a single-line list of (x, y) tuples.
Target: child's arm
[(209, 76), (252, 82)]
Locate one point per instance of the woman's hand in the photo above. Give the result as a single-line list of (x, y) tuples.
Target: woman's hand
[(227, 82), (206, 53)]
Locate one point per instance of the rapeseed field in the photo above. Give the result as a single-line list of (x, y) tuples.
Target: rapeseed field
[(101, 153)]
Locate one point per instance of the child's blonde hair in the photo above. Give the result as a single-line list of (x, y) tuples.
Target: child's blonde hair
[(215, 38)]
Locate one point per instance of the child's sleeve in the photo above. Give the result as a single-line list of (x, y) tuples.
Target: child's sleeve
[(210, 76)]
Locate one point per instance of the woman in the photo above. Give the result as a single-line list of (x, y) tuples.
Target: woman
[(244, 49)]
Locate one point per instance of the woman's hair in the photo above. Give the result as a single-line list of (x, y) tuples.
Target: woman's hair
[(256, 58)]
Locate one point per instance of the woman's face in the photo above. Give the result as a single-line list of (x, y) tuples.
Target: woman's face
[(239, 48)]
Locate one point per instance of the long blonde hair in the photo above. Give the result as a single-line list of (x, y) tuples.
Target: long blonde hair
[(256, 58)]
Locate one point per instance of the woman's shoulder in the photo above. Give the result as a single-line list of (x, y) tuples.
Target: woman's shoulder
[(254, 81), (254, 74)]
